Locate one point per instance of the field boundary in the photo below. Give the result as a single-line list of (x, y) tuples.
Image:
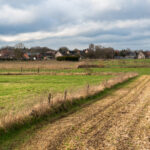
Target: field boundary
[(63, 73)]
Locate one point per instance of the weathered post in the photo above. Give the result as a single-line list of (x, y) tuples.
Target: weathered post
[(38, 70), (49, 98), (65, 95), (88, 87)]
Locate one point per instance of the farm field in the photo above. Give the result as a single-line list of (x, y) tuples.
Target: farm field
[(119, 121), (22, 92), (105, 122)]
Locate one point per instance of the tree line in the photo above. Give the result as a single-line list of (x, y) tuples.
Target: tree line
[(92, 52)]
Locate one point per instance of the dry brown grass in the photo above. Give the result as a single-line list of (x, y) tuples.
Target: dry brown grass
[(46, 65), (59, 100), (52, 64)]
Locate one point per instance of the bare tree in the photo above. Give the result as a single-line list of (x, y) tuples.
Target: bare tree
[(19, 46)]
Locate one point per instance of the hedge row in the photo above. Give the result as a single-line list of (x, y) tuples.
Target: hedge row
[(68, 58)]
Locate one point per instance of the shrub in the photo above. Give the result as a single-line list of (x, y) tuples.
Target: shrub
[(68, 58)]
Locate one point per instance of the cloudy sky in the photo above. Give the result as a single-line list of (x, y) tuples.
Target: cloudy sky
[(75, 23)]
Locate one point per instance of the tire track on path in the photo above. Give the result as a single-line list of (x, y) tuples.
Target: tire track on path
[(97, 127)]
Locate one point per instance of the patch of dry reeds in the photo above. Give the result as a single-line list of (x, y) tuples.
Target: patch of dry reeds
[(26, 65), (34, 66)]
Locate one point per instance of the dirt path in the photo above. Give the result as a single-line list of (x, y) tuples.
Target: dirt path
[(117, 122)]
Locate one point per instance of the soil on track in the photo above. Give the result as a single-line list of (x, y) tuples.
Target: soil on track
[(117, 122)]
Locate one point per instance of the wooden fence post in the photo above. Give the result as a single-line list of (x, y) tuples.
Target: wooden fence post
[(49, 98), (38, 70), (88, 86), (65, 95)]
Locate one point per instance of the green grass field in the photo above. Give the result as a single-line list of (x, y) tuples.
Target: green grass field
[(22, 91), (140, 71)]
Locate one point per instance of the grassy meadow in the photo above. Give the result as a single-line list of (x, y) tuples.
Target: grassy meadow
[(18, 92), (22, 91)]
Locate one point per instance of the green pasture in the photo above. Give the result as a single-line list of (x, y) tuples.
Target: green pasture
[(22, 91), (140, 71), (19, 92)]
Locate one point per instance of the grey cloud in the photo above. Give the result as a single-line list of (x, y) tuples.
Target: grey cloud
[(82, 22)]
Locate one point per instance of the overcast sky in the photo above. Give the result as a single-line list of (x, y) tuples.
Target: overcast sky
[(76, 23)]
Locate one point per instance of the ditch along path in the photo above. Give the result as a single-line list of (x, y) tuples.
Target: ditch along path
[(120, 121)]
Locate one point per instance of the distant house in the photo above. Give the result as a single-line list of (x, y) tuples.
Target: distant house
[(68, 52), (58, 54), (26, 56), (140, 55), (7, 54), (76, 52), (1, 54), (86, 51), (62, 52), (49, 55), (147, 54), (131, 55), (33, 56)]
